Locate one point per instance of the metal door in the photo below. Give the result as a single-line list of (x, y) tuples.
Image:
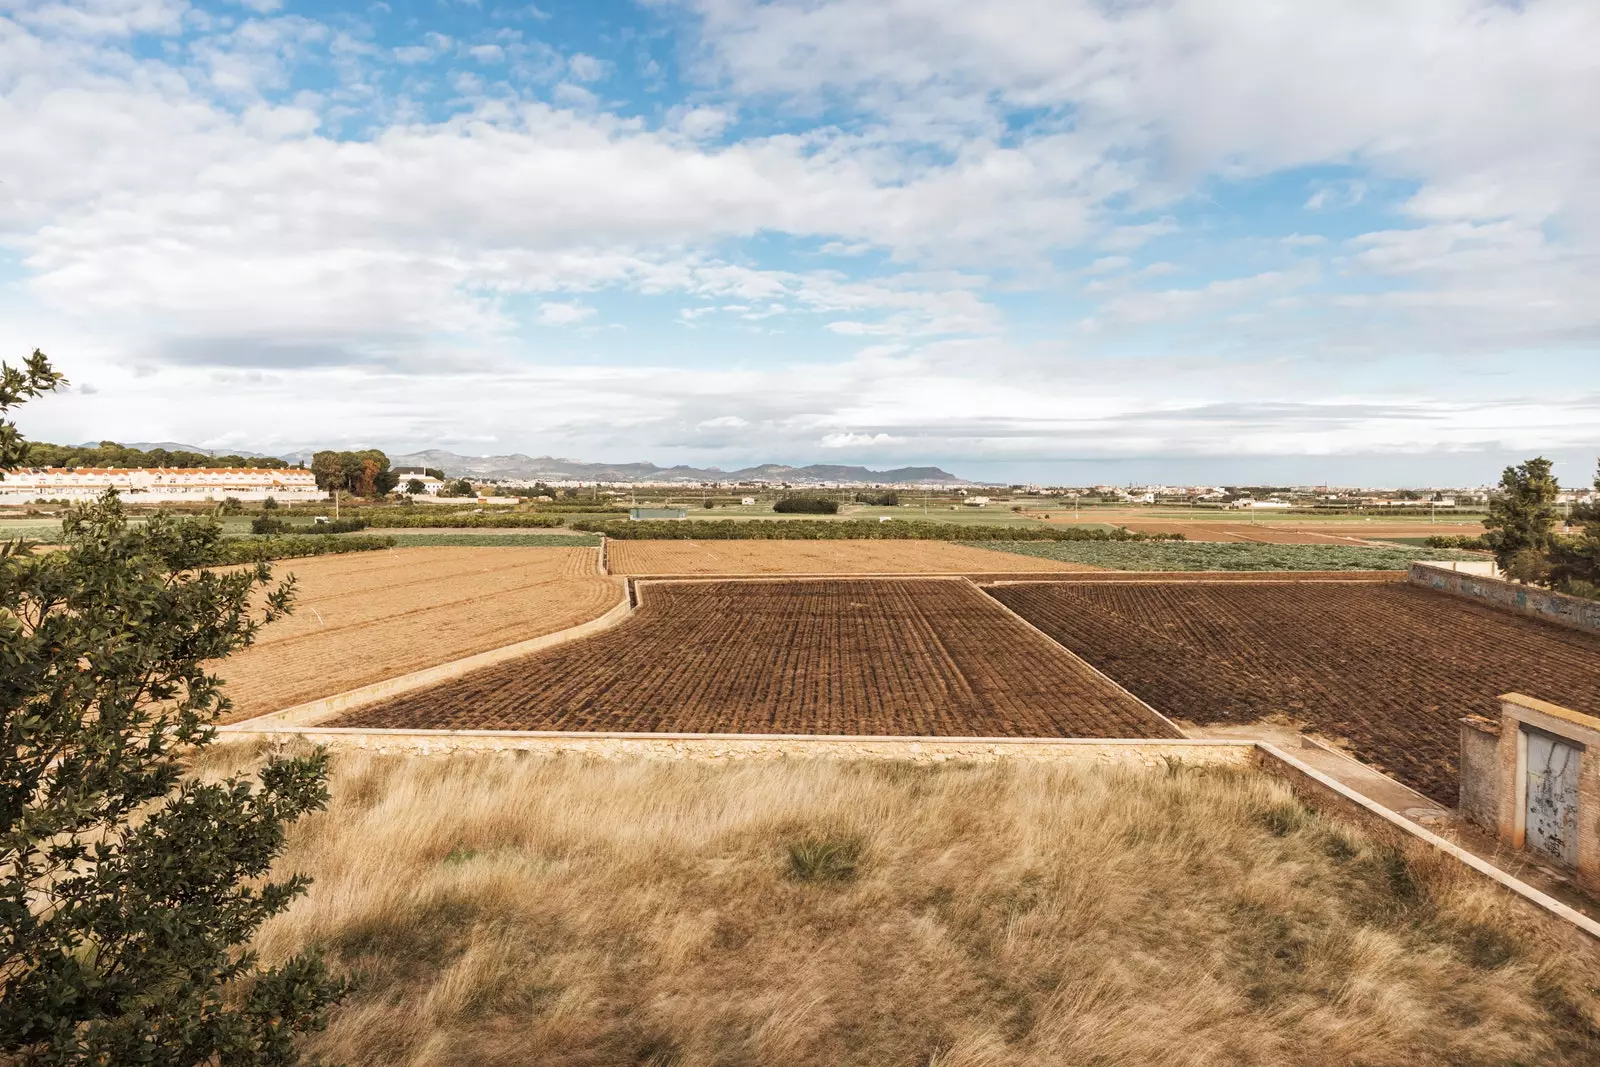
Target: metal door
[(1553, 797)]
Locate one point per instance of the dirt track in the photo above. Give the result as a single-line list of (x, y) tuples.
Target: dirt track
[(907, 657), (363, 617), (816, 557), (1385, 665)]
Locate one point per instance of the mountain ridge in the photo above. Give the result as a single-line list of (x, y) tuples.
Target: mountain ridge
[(518, 465)]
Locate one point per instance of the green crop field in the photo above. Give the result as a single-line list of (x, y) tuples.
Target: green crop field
[(1214, 556)]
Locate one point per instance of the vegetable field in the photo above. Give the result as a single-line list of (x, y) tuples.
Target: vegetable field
[(1386, 666), (841, 656), (815, 557), (363, 618), (1217, 556)]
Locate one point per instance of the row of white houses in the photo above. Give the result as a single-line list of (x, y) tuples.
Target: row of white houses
[(159, 484)]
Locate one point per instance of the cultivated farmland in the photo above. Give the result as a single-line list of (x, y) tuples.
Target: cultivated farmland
[(363, 618), (908, 657), (1214, 556), (1384, 665), (815, 557)]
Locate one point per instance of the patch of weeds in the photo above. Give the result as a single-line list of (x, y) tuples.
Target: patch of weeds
[(1484, 947), (820, 859), (1283, 819), (1575, 1029), (1337, 846), (459, 855)]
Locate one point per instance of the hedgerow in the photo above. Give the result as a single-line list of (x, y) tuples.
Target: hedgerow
[(850, 530), (262, 549), (458, 520)]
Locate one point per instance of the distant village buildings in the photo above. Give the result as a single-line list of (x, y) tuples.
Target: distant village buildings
[(158, 485)]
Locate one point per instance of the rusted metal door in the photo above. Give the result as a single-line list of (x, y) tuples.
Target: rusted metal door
[(1553, 797)]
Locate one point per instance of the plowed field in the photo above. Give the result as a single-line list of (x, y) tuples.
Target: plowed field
[(1388, 667), (814, 557), (364, 617), (908, 657)]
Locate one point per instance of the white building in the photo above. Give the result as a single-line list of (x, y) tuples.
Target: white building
[(158, 485)]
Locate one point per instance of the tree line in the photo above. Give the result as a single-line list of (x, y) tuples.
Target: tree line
[(123, 457)]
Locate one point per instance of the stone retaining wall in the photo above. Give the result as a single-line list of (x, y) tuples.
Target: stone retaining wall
[(734, 747), (1577, 613)]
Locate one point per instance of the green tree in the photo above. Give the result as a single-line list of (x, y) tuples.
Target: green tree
[(415, 486), (1520, 519), (126, 890), (460, 487), (18, 384), (1576, 559)]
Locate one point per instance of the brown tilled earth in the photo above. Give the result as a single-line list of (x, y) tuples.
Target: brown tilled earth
[(865, 656), (363, 617), (1385, 666), (816, 557)]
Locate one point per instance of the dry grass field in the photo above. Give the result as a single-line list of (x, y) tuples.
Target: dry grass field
[(928, 656), (1386, 666), (502, 912), (363, 617), (730, 558)]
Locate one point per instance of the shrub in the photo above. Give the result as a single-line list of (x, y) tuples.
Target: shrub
[(267, 524), (1458, 541), (806, 505), (890, 499)]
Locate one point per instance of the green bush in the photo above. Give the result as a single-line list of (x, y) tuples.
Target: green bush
[(266, 524), (806, 505), (850, 530), (1458, 541)]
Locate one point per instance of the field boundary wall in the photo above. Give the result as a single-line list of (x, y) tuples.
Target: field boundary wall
[(315, 711), (1573, 612)]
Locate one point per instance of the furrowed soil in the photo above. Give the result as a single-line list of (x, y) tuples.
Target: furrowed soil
[(906, 657), (362, 618), (1383, 666), (813, 557)]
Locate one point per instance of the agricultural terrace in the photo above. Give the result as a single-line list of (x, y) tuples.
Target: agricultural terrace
[(1303, 531), (809, 913), (362, 618), (815, 557), (845, 656), (1214, 556), (1385, 666)]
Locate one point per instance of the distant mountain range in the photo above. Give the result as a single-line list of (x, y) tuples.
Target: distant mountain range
[(518, 466)]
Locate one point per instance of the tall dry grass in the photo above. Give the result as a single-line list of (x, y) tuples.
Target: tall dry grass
[(526, 911)]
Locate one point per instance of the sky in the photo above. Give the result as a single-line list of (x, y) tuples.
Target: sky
[(1064, 241)]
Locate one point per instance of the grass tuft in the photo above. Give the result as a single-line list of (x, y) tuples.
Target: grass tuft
[(818, 859)]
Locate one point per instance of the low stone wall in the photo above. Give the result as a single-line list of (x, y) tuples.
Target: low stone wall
[(1137, 752), (1578, 613)]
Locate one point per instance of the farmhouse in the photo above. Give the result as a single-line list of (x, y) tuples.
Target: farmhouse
[(158, 485)]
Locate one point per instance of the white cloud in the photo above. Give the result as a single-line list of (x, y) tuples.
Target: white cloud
[(555, 313), (587, 68)]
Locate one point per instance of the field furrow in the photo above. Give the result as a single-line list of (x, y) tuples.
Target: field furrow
[(908, 657), (1387, 667)]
